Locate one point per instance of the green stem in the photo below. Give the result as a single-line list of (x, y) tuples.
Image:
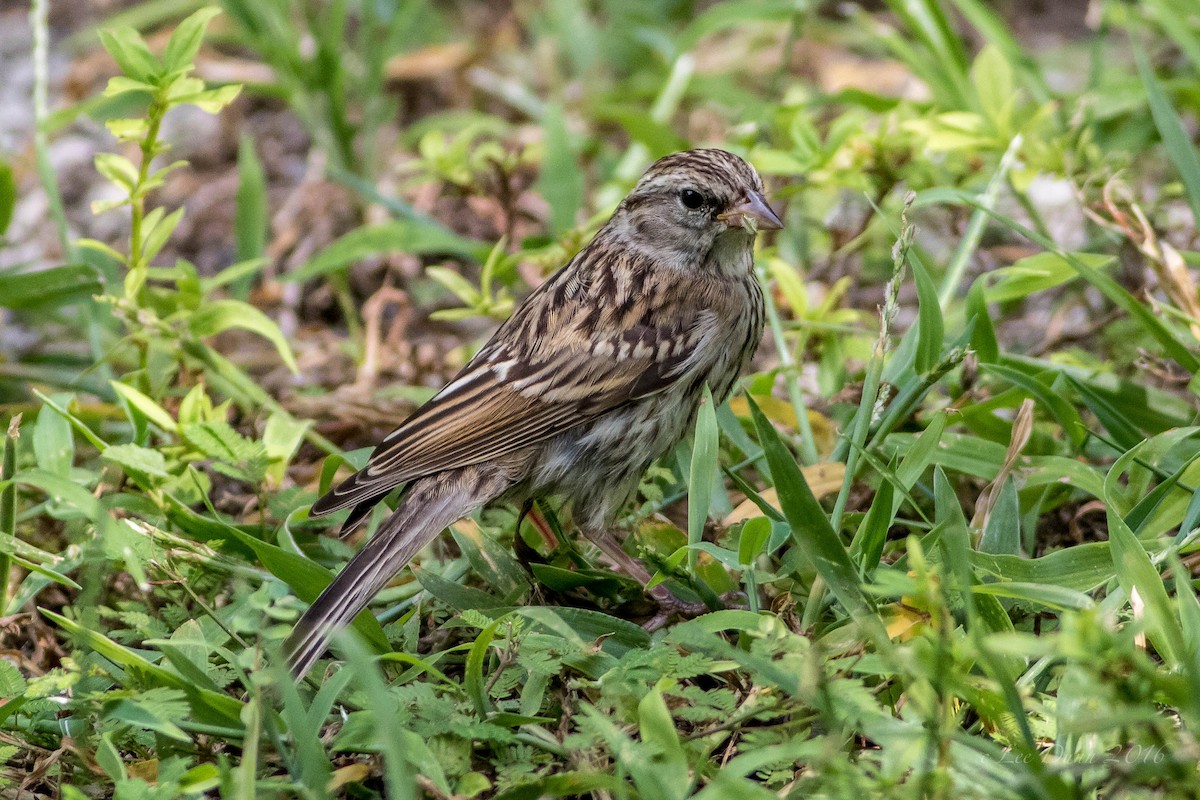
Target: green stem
[(862, 424), (8, 504), (137, 195), (751, 589), (974, 232), (871, 384), (345, 300), (38, 16)]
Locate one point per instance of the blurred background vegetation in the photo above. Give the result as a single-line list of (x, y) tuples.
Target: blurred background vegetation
[(238, 243)]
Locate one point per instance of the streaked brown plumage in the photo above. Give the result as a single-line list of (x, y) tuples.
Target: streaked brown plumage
[(596, 374)]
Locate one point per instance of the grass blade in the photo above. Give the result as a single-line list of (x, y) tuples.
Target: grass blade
[(1175, 139), (811, 529), (1116, 293), (700, 477)]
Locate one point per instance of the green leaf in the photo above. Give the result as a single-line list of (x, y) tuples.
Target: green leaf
[(281, 436), (814, 536), (1082, 568), (720, 16), (566, 784), (8, 500), (983, 332), (117, 169), (109, 759), (128, 130), (994, 28), (207, 706), (234, 273), (121, 84), (1038, 273), (156, 232), (185, 41), (32, 558), (304, 726), (397, 236), (636, 120), (503, 575), (147, 467), (156, 178), (182, 85), (132, 713), (457, 285), (600, 582), (53, 444), (220, 315), (8, 196), (76, 423), (250, 224), (210, 100), (615, 635), (1002, 533), (131, 54), (700, 479), (144, 404), (1115, 421), (930, 328), (405, 754), (12, 682), (1052, 401), (1058, 598), (306, 578), (669, 773), (224, 445), (187, 650), (56, 286), (755, 534), (63, 490), (1116, 293), (1136, 572), (1175, 137), (473, 680), (867, 545), (456, 595), (992, 78)]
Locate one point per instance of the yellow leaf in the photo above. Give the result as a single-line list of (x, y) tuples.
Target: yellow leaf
[(783, 414), (823, 479), (351, 773), (904, 622)]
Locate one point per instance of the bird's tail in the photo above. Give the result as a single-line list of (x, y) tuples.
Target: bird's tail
[(429, 507)]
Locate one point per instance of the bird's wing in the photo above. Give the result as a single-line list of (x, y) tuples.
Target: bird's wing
[(521, 389)]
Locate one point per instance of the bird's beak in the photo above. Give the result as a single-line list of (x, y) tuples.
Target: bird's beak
[(752, 213)]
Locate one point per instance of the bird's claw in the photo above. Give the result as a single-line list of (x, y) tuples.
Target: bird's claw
[(671, 606)]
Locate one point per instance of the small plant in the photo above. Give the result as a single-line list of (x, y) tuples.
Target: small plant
[(166, 306)]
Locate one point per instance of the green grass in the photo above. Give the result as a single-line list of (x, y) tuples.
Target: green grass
[(966, 509)]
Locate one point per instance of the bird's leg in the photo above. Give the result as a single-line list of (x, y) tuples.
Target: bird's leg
[(668, 604), (541, 524), (526, 553)]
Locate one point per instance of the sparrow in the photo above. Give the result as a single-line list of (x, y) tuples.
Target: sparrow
[(597, 373)]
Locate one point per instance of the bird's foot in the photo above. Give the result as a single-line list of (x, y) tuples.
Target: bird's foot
[(671, 606)]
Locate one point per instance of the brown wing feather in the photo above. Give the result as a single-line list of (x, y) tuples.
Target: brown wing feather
[(531, 382)]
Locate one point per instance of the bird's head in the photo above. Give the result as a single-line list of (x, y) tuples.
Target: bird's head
[(698, 209)]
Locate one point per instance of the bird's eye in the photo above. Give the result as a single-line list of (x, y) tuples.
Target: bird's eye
[(691, 198)]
